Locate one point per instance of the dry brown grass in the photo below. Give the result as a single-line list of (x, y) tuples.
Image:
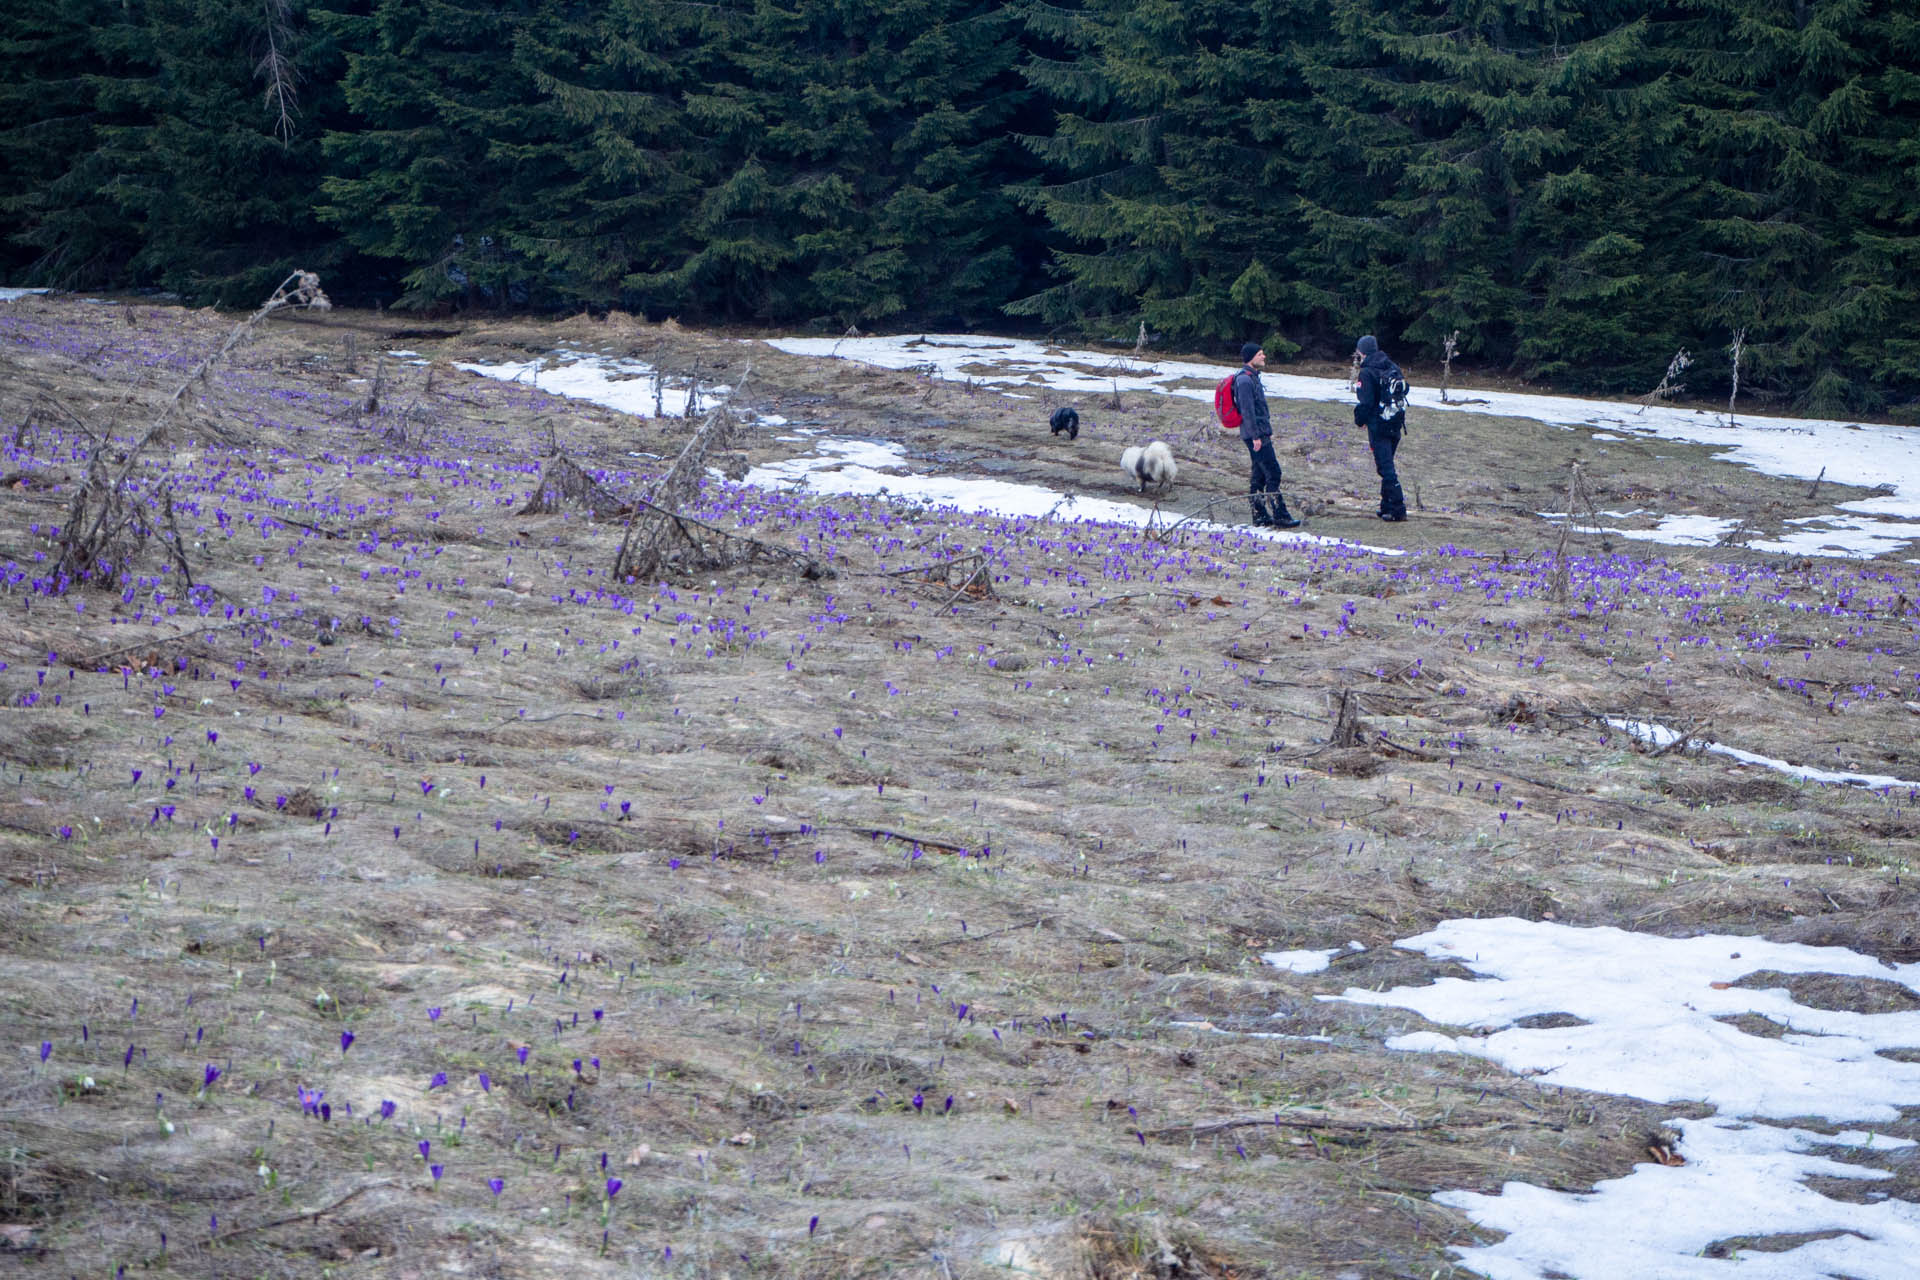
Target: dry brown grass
[(768, 1017)]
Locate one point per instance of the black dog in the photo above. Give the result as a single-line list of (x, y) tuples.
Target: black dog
[(1067, 419)]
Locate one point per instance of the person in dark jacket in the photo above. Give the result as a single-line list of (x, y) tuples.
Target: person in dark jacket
[(1256, 432), (1377, 372)]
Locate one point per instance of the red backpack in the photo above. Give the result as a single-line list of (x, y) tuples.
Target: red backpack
[(1223, 406)]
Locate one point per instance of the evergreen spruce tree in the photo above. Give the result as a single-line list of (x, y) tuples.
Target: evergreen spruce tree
[(1458, 180), (454, 149), (1867, 332), (631, 168), (60, 66), (1602, 305), (856, 145), (220, 171), (1802, 218), (1167, 180)]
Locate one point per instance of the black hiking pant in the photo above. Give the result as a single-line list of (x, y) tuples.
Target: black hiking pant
[(1384, 438), (1263, 490)]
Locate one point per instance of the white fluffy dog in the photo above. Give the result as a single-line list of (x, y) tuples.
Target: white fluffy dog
[(1153, 465)]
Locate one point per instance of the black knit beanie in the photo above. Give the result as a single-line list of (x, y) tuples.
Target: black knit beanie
[(1366, 346), (1248, 351)]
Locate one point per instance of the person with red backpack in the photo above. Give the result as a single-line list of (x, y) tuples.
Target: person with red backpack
[(1241, 403)]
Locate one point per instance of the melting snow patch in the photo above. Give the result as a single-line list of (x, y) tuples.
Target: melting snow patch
[(1740, 1182), (1301, 961), (626, 385), (1654, 1024), (863, 468), (1307, 961), (1683, 531), (10, 294)]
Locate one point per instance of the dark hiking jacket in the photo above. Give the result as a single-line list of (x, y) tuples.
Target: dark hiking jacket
[(1250, 398), (1376, 371)]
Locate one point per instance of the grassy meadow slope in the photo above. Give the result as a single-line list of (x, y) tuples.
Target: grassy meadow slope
[(406, 896)]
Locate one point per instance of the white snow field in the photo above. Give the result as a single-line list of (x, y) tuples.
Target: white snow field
[(631, 386), (1654, 1023)]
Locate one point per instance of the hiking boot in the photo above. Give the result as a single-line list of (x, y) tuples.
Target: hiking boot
[(1286, 522), (1390, 518)]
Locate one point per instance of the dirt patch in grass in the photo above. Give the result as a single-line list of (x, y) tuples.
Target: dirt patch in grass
[(855, 924)]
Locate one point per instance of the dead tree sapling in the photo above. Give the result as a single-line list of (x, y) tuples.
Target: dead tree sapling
[(1670, 384), (1578, 501), (1452, 343), (660, 532), (105, 522), (1734, 349)]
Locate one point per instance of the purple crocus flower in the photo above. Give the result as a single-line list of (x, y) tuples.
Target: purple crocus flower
[(425, 1147), (346, 1041), (486, 1083), (613, 1187), (46, 1050), (496, 1185), (436, 1170), (439, 1080), (521, 1052), (386, 1109), (433, 1014), (212, 1074)]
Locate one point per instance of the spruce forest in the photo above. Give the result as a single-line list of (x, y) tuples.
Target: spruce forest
[(1576, 191)]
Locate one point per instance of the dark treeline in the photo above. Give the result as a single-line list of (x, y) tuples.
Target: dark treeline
[(1577, 190)]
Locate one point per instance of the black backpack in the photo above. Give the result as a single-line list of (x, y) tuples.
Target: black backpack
[(1393, 396)]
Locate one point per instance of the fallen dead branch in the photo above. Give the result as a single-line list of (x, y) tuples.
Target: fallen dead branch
[(305, 1215), (1166, 534), (1280, 1121)]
